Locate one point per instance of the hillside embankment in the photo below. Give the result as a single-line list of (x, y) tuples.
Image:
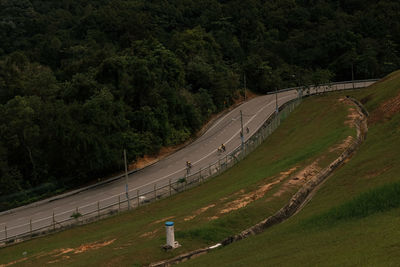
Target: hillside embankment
[(353, 218), (311, 176), (313, 136)]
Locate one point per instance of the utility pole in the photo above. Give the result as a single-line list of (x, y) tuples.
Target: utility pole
[(276, 100), (241, 127), (352, 74), (244, 86), (126, 181)]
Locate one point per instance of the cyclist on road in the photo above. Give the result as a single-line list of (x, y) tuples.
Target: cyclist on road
[(188, 164), (223, 147)]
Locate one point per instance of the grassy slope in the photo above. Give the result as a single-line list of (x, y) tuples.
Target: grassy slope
[(365, 240), (306, 134)]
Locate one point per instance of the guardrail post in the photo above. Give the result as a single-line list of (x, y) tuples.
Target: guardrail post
[(119, 203), (98, 208), (170, 187), (30, 226), (137, 194)]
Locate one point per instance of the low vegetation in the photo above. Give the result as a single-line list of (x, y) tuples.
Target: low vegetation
[(381, 199)]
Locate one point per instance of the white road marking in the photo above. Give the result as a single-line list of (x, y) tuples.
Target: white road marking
[(212, 152)]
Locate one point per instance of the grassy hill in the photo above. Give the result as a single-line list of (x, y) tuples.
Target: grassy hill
[(353, 219), (308, 140)]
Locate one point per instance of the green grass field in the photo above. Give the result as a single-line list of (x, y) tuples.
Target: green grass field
[(353, 220), (210, 212)]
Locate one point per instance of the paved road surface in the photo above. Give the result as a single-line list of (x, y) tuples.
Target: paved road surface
[(201, 153)]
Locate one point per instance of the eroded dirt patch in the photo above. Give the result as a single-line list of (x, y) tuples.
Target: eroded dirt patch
[(146, 160), (163, 220), (342, 146), (13, 262), (87, 247), (386, 110), (247, 198), (81, 249), (149, 234), (198, 212), (351, 117), (64, 253), (300, 178), (374, 173)]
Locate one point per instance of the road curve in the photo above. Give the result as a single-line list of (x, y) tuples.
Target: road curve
[(201, 153)]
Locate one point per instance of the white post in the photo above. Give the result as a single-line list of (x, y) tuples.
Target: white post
[(169, 227)]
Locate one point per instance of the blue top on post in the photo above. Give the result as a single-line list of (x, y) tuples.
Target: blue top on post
[(169, 224)]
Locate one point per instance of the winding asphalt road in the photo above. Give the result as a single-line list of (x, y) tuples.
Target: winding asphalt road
[(201, 153)]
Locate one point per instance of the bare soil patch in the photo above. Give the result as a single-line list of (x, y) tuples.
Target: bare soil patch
[(81, 249), (300, 178), (247, 198), (163, 220), (146, 160), (386, 110), (374, 173), (61, 254), (342, 146), (149, 234), (351, 117), (198, 212), (13, 262)]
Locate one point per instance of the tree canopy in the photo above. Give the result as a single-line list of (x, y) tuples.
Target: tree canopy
[(81, 80)]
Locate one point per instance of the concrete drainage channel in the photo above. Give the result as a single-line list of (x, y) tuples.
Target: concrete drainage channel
[(296, 203)]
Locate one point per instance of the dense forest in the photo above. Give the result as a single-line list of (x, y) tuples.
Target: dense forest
[(82, 80)]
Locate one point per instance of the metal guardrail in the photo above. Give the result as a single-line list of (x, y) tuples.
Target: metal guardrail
[(116, 204)]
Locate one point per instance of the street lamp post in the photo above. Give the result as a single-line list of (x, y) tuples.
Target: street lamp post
[(241, 127), (126, 181)]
